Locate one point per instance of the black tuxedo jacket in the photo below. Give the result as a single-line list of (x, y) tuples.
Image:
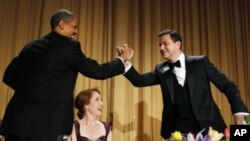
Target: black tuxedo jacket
[(199, 73), (43, 77)]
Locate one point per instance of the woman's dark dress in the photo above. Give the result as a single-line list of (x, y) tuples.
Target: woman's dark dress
[(82, 138)]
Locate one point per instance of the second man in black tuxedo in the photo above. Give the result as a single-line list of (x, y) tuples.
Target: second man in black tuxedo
[(188, 105)]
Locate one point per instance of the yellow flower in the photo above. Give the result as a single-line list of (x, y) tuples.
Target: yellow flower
[(176, 136), (214, 135)]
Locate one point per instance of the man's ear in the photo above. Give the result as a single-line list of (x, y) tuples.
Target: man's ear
[(61, 25), (178, 43)]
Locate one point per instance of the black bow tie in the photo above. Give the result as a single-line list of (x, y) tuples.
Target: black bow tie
[(176, 64)]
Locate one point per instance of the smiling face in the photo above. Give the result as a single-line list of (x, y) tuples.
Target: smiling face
[(169, 49), (95, 105)]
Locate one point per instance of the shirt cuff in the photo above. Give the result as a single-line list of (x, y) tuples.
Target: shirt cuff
[(127, 67), (121, 59), (126, 64), (242, 113)]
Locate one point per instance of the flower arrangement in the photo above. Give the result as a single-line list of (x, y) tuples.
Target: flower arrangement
[(212, 135)]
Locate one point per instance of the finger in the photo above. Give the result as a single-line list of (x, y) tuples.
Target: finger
[(125, 45), (120, 50)]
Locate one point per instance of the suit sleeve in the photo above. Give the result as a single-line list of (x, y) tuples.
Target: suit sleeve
[(11, 74), (91, 68), (141, 80), (226, 86)]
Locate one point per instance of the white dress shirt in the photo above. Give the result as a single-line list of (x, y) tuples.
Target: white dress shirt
[(181, 72)]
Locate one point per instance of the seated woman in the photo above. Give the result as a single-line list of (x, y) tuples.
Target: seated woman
[(88, 127)]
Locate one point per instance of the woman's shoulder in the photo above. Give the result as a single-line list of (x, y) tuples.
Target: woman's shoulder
[(76, 124), (106, 124), (108, 127)]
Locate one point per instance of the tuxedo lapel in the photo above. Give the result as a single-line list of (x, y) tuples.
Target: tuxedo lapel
[(165, 72), (169, 82)]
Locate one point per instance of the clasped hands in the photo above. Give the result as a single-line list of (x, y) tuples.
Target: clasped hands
[(125, 53)]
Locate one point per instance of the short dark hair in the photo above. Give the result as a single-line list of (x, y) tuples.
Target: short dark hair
[(59, 15), (175, 36), (82, 99)]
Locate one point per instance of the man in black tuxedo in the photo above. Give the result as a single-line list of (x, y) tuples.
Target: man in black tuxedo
[(43, 77), (185, 84)]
